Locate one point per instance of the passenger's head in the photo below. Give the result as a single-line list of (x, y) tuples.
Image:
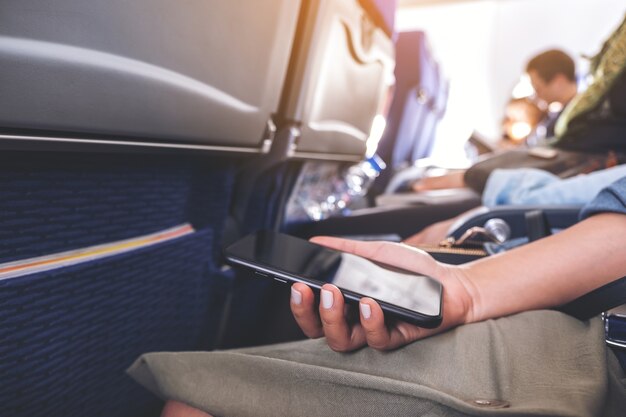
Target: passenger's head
[(553, 76), (521, 117)]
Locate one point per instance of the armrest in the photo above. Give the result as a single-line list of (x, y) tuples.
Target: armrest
[(556, 217), (403, 221)]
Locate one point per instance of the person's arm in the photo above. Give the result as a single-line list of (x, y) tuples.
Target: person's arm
[(451, 180), (543, 274), (436, 232), (431, 235), (551, 271)]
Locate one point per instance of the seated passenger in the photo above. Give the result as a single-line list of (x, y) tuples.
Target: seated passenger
[(589, 132), (521, 118), (499, 354), (553, 77), (527, 186)]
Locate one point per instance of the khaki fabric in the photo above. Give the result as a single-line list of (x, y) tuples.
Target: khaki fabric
[(539, 363)]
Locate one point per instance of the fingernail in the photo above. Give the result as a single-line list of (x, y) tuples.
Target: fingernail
[(327, 299), (366, 311), (296, 296)]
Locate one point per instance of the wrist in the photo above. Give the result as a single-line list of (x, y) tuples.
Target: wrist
[(466, 292)]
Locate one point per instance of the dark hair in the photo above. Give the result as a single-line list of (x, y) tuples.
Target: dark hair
[(550, 63)]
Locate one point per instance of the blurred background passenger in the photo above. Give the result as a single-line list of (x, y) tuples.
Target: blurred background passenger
[(585, 131), (524, 122), (529, 120), (521, 119), (553, 76), (527, 187)]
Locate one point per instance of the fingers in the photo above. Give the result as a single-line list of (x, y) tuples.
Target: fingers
[(373, 322), (340, 336), (377, 334), (398, 255), (329, 319), (304, 310)]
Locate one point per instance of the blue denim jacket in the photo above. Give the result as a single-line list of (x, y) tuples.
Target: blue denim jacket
[(533, 186), (611, 199)]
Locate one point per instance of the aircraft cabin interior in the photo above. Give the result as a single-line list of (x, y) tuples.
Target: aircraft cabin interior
[(164, 165)]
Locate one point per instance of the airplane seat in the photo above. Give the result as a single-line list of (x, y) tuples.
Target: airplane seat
[(413, 112), (442, 98), (339, 73), (414, 96), (424, 141), (72, 328), (415, 126), (413, 92), (123, 127), (424, 146), (383, 12), (153, 73)]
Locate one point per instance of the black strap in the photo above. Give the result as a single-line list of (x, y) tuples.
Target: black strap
[(536, 225), (597, 301)]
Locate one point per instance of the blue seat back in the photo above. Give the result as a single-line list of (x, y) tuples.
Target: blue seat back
[(415, 109), (68, 334)]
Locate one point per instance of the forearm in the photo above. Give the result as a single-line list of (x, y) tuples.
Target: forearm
[(551, 271), (451, 180)]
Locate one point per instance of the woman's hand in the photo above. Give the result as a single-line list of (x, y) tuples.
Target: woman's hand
[(330, 319)]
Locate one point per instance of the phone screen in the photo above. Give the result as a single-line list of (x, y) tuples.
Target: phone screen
[(298, 260)]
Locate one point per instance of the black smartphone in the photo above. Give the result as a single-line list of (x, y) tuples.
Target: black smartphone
[(403, 295)]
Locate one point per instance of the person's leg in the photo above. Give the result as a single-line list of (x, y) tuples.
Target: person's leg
[(536, 363), (177, 409)]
